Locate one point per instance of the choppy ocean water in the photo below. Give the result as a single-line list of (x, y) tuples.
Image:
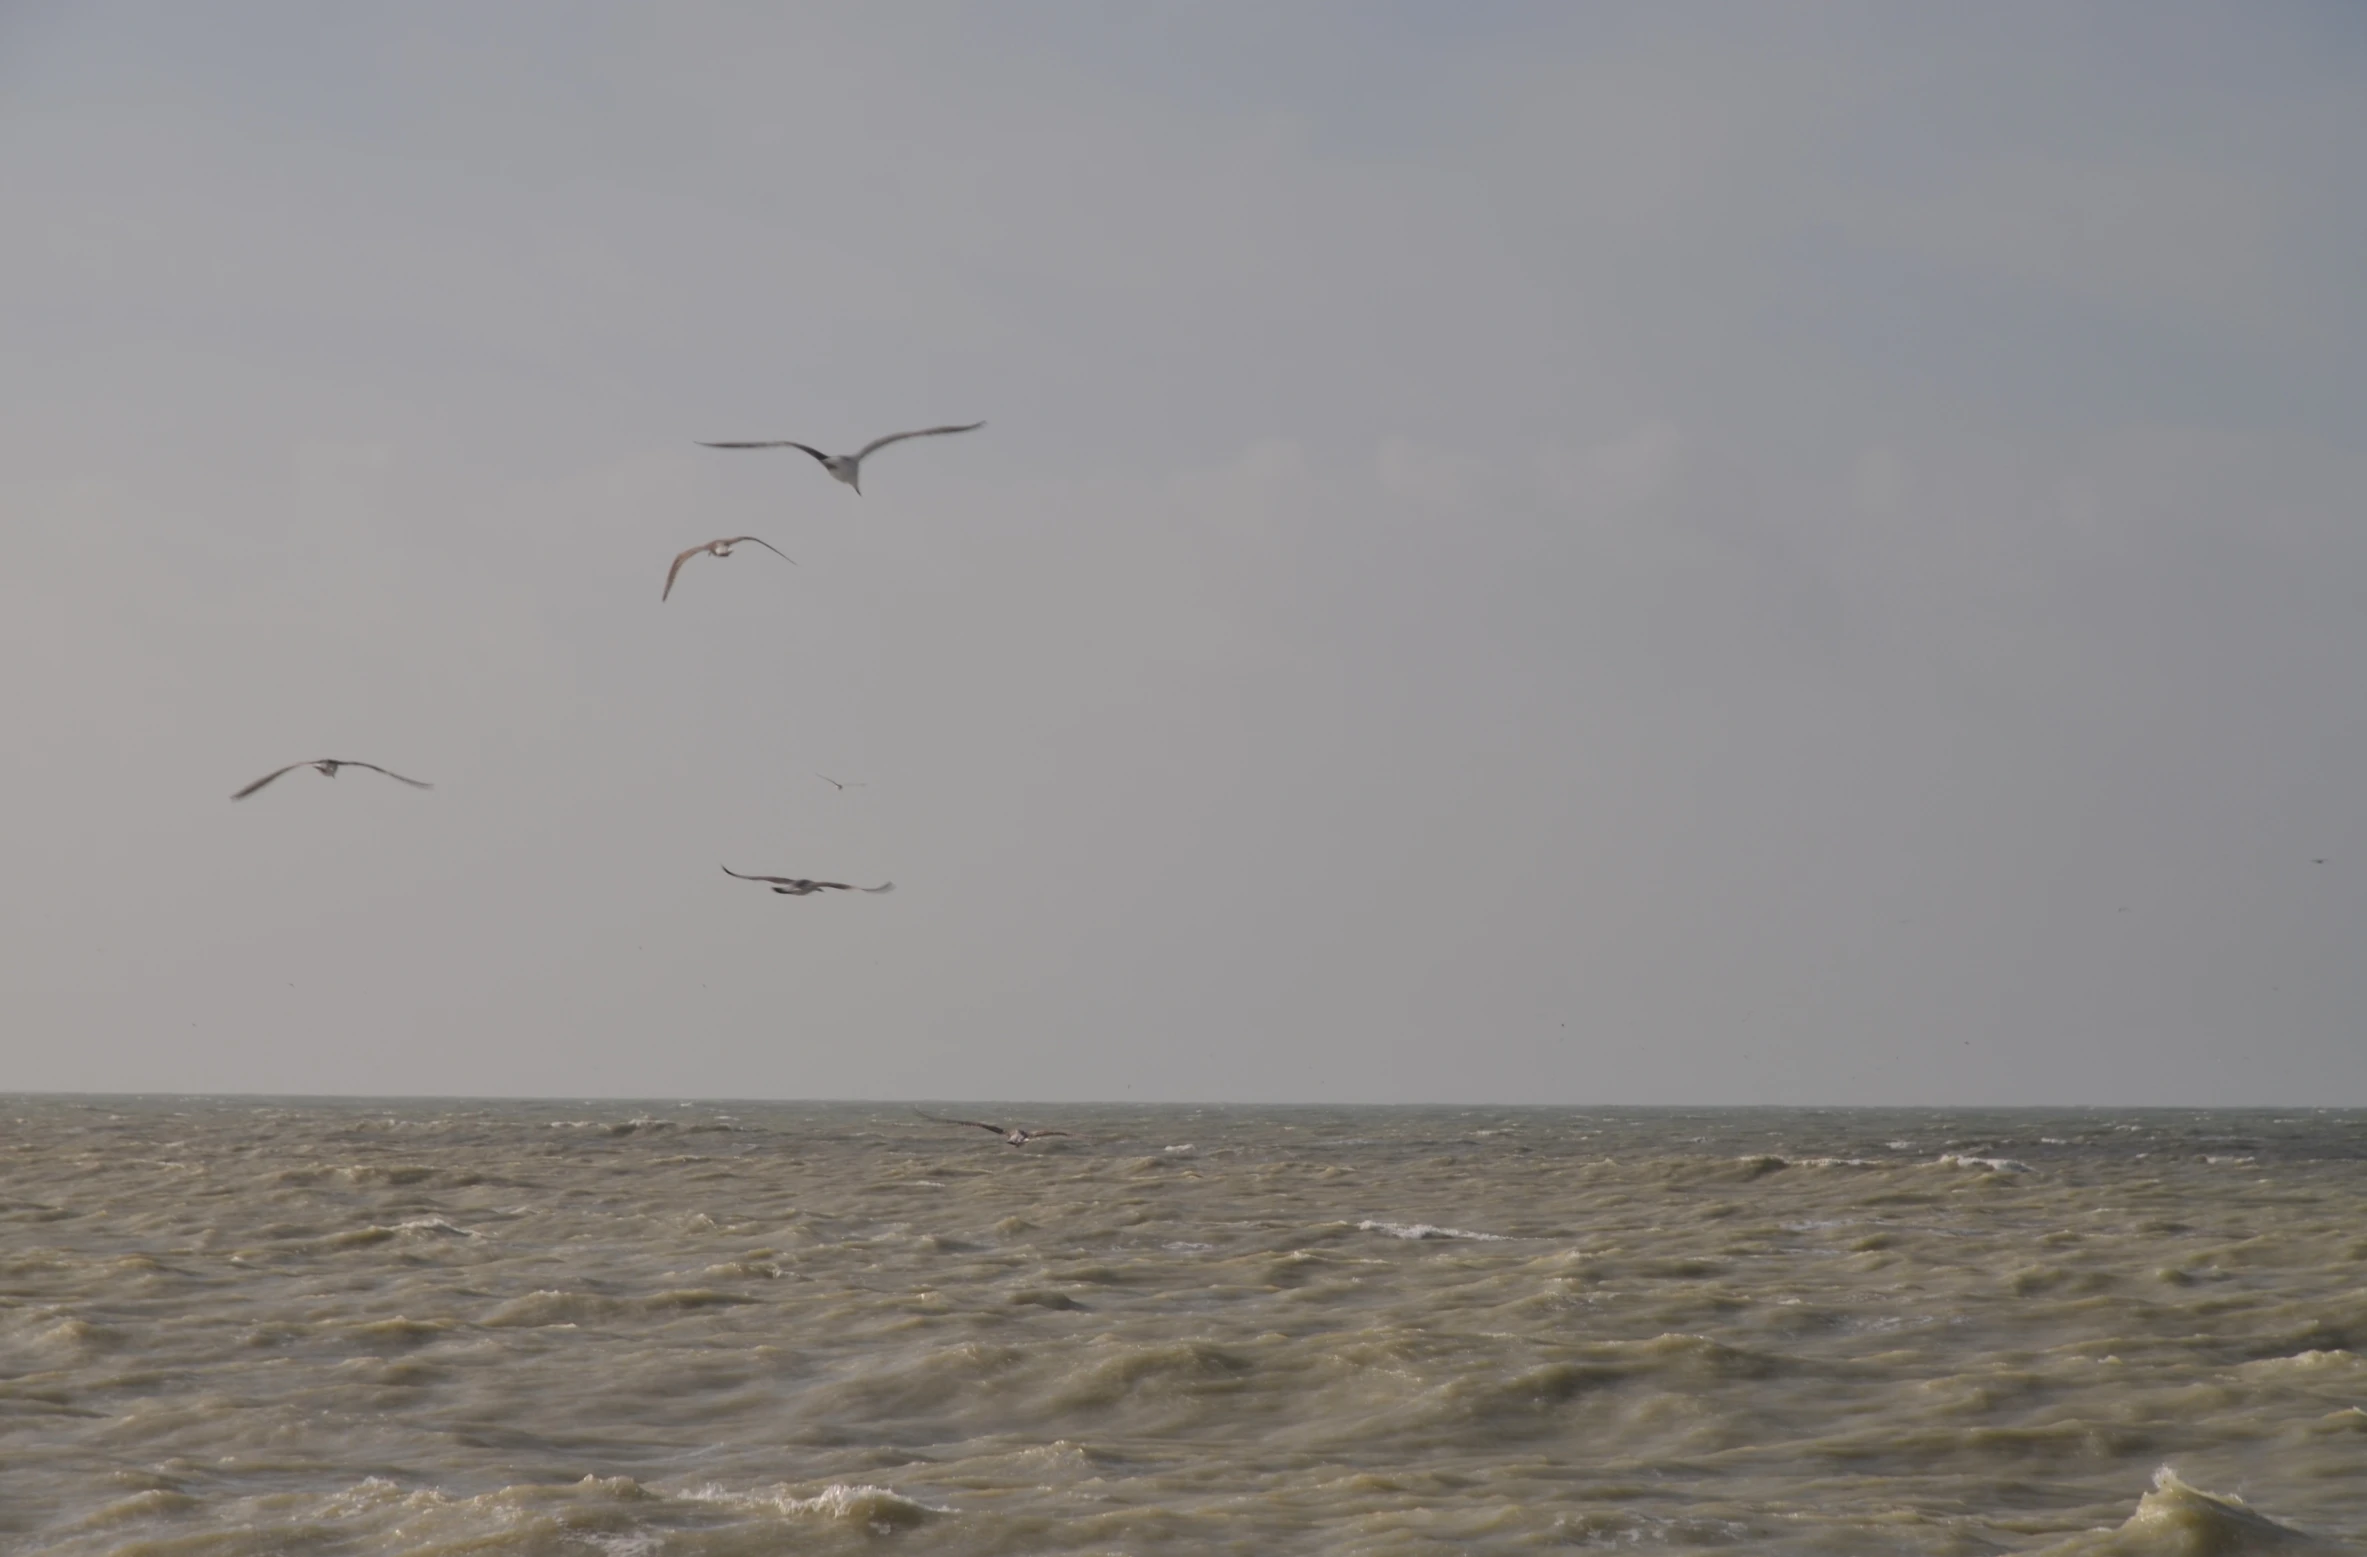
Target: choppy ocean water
[(250, 1326)]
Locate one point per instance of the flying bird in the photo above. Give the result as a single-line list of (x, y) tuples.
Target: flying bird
[(1013, 1137), (327, 767), (835, 784), (799, 886), (720, 548), (847, 467)]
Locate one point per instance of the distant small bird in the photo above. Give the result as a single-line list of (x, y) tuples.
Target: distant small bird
[(720, 548), (327, 767), (1013, 1137), (2317, 862), (847, 467), (835, 784), (799, 886)]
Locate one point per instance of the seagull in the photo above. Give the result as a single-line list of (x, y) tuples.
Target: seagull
[(1013, 1137), (720, 548), (847, 467), (835, 784), (327, 768), (799, 886)]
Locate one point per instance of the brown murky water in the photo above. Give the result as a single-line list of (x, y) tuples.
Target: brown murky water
[(235, 1326)]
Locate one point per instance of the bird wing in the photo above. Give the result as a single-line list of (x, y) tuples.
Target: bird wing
[(926, 432), (779, 881), (267, 778), (827, 779), (677, 568), (1037, 1135), (389, 772), (976, 1124), (776, 443), (761, 541)]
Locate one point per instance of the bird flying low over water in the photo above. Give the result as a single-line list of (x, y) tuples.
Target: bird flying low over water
[(720, 548), (847, 467), (1013, 1137), (799, 886), (327, 768), (838, 784)]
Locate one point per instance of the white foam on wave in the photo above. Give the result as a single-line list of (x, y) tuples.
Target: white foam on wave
[(2178, 1518), (433, 1224), (881, 1510), (1187, 1149), (548, 1306), (1420, 1230), (2335, 1360), (1992, 1164), (623, 1543), (614, 1501)]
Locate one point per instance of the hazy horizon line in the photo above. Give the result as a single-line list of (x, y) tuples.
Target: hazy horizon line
[(907, 1102)]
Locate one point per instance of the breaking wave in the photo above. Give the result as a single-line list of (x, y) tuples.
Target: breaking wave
[(2177, 1519), (1424, 1230)]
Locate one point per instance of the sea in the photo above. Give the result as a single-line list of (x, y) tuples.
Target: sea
[(234, 1326)]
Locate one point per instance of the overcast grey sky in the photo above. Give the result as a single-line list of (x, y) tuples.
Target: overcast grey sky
[(1544, 553)]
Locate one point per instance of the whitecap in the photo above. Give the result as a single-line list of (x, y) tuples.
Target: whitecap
[(433, 1224), (1992, 1164), (2177, 1516), (623, 1543), (549, 1307), (1428, 1230), (2312, 1361), (369, 1493), (882, 1510)]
